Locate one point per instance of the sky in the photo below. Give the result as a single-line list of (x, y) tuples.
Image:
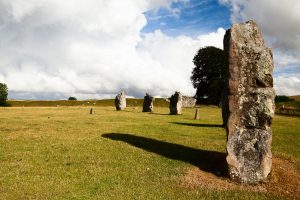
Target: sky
[(53, 49)]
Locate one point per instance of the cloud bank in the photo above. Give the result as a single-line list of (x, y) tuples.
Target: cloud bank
[(53, 49), (280, 24)]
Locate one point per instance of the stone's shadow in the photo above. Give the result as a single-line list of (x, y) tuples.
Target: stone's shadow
[(208, 161), (199, 125)]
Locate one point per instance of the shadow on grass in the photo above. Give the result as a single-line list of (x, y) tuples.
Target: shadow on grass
[(199, 125), (209, 161)]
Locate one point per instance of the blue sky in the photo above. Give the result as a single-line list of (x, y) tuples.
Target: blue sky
[(189, 18), (276, 19)]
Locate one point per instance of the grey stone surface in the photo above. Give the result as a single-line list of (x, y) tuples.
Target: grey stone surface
[(188, 102), (176, 103), (148, 103), (120, 101), (248, 103)]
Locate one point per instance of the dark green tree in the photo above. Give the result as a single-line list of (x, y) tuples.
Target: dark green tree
[(3, 94), (208, 76), (282, 98), (72, 99)]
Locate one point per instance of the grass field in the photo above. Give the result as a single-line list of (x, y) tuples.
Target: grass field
[(131, 102), (296, 98), (66, 153)]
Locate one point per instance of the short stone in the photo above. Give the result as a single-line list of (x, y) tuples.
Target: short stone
[(188, 102), (176, 103), (197, 114), (148, 103)]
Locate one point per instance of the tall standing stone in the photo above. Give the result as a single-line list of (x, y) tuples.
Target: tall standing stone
[(176, 103), (248, 106), (148, 103), (120, 101)]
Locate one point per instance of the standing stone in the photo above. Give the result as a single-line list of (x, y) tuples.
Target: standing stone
[(120, 101), (176, 103), (197, 114), (188, 102), (148, 103), (249, 105)]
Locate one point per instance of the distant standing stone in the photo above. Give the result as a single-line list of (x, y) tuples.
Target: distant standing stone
[(176, 103), (197, 114), (249, 104), (188, 102), (148, 103), (120, 101)]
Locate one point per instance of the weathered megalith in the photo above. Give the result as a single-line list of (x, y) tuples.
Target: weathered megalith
[(248, 105), (176, 103), (120, 101), (148, 103), (188, 102)]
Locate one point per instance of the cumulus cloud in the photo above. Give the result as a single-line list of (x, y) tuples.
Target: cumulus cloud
[(287, 85), (279, 21), (52, 49)]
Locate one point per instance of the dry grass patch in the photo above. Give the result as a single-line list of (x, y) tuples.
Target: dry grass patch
[(284, 181)]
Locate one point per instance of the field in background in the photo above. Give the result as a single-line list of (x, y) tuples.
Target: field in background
[(292, 108), (296, 98), (160, 102), (66, 153)]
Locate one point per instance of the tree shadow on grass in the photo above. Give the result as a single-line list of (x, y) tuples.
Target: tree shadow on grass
[(199, 125), (208, 161)]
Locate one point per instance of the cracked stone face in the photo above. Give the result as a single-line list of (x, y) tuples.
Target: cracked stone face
[(248, 103), (120, 101)]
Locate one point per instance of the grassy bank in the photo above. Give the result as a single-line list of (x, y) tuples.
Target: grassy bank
[(66, 153), (84, 103), (292, 108)]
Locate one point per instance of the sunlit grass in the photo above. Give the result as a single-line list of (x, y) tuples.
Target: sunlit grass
[(66, 153)]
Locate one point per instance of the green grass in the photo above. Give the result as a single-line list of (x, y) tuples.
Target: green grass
[(66, 153), (82, 103), (295, 105)]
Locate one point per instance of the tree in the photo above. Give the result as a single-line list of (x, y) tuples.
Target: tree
[(282, 98), (3, 94), (72, 98), (208, 76)]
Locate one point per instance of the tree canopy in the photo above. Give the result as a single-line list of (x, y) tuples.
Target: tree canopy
[(3, 94), (208, 76), (282, 98), (72, 99)]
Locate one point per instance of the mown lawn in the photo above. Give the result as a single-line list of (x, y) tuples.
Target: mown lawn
[(66, 153)]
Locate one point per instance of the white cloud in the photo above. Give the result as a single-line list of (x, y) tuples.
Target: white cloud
[(92, 49), (213, 39), (156, 4), (279, 20), (287, 85), (280, 24)]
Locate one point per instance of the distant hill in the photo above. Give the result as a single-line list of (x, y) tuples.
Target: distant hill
[(297, 97)]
